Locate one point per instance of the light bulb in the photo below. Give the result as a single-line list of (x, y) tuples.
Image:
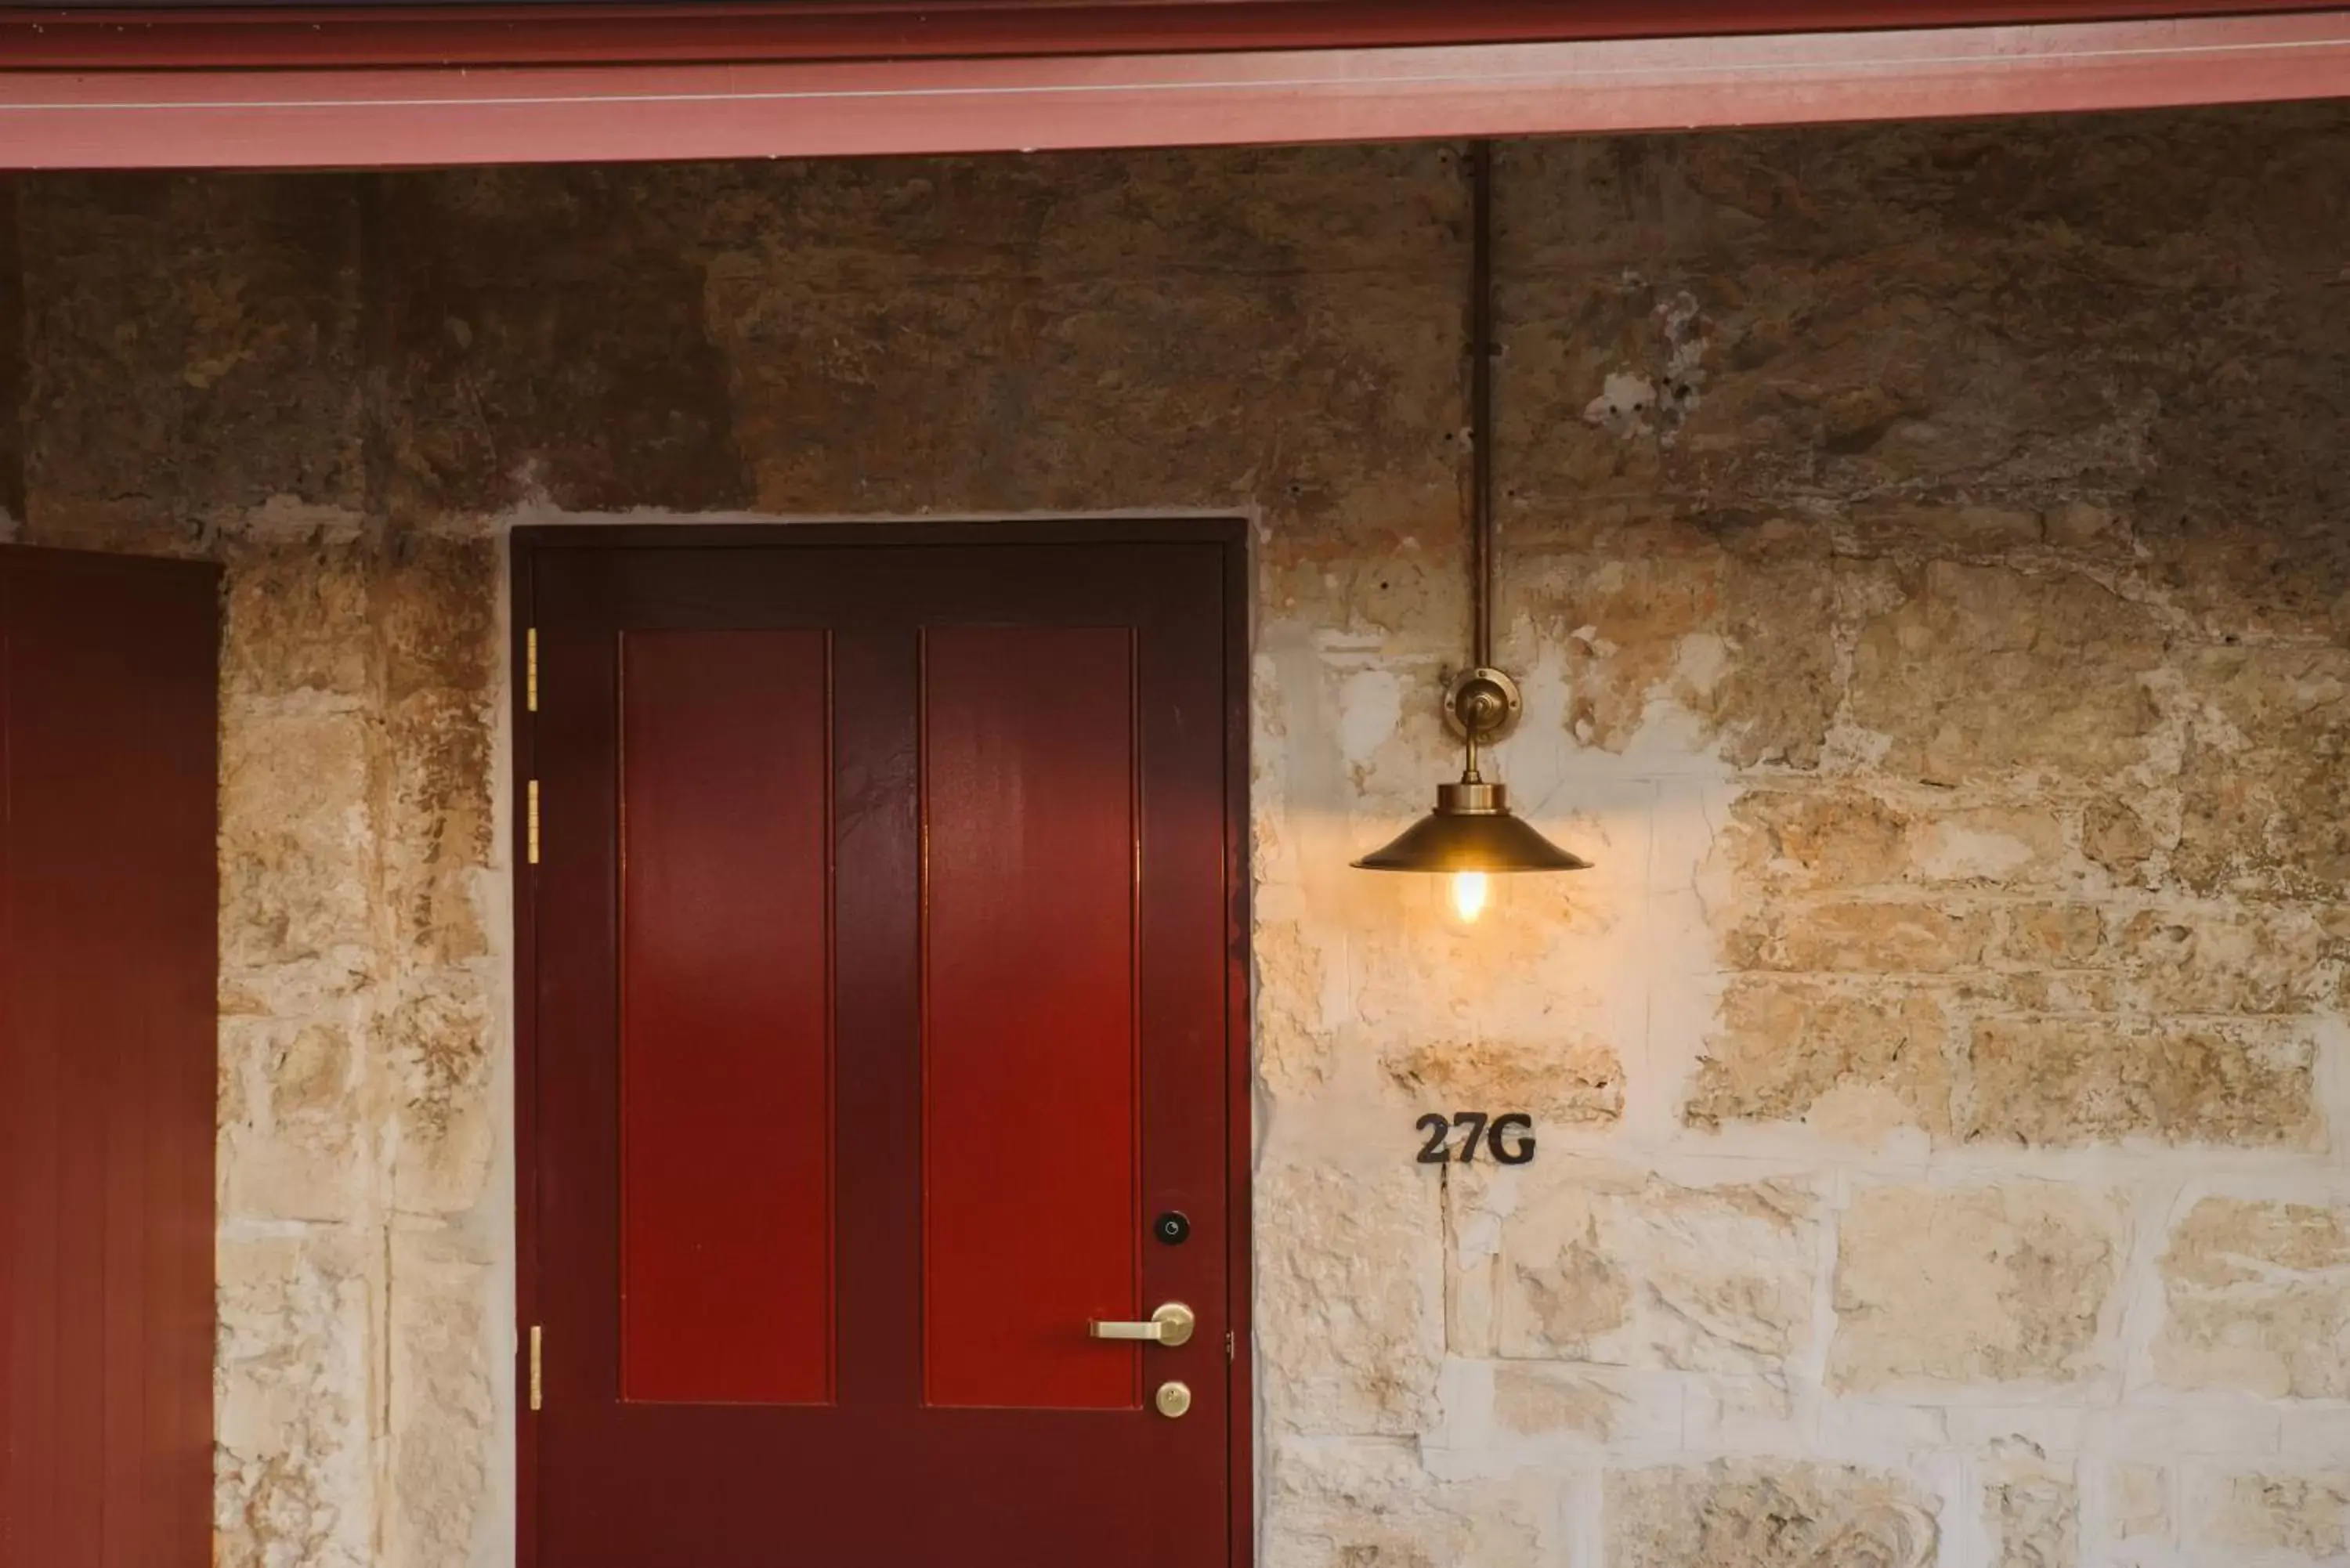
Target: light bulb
[(1470, 891)]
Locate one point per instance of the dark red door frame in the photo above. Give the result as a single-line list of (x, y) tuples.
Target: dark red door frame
[(771, 95), (530, 546)]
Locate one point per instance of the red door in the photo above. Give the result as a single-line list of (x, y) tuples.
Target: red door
[(882, 934)]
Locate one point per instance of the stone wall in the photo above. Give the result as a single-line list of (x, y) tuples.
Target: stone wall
[(1921, 548)]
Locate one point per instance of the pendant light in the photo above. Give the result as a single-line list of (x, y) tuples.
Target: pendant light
[(1472, 835)]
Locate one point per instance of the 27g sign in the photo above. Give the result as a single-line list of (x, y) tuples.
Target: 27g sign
[(1510, 1139)]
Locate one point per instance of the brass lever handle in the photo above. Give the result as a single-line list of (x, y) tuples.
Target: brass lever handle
[(1171, 1325)]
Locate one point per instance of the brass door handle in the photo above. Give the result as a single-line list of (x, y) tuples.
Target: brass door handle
[(1171, 1325)]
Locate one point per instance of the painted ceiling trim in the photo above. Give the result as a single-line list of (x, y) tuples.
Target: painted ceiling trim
[(458, 113)]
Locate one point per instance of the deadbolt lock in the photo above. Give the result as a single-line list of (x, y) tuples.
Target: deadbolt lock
[(1174, 1400)]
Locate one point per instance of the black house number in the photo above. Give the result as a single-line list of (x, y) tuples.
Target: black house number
[(1510, 1138)]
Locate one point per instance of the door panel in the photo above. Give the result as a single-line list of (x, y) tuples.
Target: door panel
[(1032, 1217), (726, 1019), (817, 1248)]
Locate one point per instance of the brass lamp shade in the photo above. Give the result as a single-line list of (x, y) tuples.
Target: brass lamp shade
[(1472, 829)]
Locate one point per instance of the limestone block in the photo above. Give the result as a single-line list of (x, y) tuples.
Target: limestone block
[(295, 1141), (1297, 1013), (297, 843), (2258, 1299), (1565, 1082), (438, 825), (2001, 845), (443, 1399), (1615, 1268), (1353, 1504), (1776, 700), (1944, 1287), (1349, 1296), (1729, 623), (437, 606), (2059, 1080), (437, 603), (1860, 937), (294, 1454), (1854, 1062), (1958, 675), (1752, 1514), (2062, 991), (443, 1041), (2031, 1513), (2247, 959), (1815, 838), (2117, 836), (2052, 936), (2305, 1514), (298, 621), (2262, 777)]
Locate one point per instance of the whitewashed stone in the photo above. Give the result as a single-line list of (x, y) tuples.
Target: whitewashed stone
[(1750, 1514), (295, 1136), (443, 1404), (1352, 1503), (1615, 1269), (294, 1455), (443, 1041), (1946, 1287), (1562, 1083), (1350, 1295), (2257, 1298), (2033, 1514), (2307, 1514)]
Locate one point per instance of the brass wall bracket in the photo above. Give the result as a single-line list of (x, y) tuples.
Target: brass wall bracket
[(1484, 701)]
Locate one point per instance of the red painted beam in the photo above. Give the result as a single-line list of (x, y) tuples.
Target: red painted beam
[(156, 37), (619, 113)]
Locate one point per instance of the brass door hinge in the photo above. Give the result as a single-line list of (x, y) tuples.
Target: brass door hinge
[(532, 828), (537, 1378), (530, 670), (1232, 1345)]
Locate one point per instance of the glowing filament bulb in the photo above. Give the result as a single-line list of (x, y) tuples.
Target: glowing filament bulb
[(1470, 892)]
